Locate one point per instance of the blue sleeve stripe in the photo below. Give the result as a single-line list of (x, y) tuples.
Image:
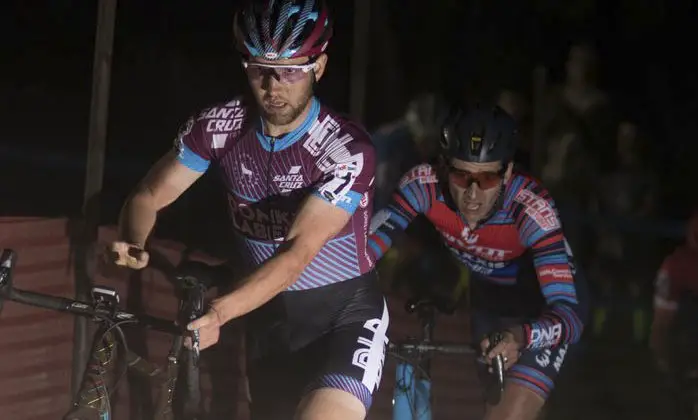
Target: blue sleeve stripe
[(411, 198), (349, 203), (377, 252), (574, 324), (191, 160), (399, 219)]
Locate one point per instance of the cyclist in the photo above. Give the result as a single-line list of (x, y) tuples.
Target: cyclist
[(504, 227), (299, 180), (676, 302)]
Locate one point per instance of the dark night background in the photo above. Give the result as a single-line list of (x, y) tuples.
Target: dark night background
[(173, 57)]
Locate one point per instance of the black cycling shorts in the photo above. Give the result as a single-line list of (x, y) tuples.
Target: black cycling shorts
[(328, 337), (536, 369)]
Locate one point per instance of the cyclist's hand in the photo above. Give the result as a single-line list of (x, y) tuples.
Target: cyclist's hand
[(509, 348), (209, 327), (128, 255)]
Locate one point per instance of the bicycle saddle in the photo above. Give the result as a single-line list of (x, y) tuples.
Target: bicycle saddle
[(416, 304)]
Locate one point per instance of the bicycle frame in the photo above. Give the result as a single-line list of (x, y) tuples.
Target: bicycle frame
[(412, 392), (92, 400)]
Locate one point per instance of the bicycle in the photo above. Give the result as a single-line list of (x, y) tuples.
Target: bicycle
[(412, 392), (101, 376)]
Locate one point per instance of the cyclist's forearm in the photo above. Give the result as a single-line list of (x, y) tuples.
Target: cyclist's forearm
[(558, 324), (137, 218), (270, 279)]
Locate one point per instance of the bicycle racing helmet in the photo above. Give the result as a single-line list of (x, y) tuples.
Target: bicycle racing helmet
[(282, 29), (480, 135)]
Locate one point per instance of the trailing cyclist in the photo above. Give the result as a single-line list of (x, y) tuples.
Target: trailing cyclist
[(504, 227), (674, 334), (299, 180)]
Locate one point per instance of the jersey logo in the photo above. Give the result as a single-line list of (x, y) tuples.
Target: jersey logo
[(475, 145), (469, 237), (545, 336), (291, 181), (422, 174), (538, 209), (320, 134), (218, 141), (223, 119), (343, 179), (245, 172)]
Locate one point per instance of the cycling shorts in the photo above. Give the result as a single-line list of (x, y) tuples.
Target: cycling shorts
[(535, 369), (328, 337)]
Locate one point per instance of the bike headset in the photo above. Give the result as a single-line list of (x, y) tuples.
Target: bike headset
[(479, 135)]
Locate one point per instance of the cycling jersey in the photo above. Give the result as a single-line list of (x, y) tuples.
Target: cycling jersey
[(677, 278), (268, 178), (522, 241)]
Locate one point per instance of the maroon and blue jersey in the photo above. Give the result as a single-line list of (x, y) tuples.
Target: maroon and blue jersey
[(519, 258), (268, 179)]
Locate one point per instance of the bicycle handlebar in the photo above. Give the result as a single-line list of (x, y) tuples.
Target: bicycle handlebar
[(437, 347), (194, 281)]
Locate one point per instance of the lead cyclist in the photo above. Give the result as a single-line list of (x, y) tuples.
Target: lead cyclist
[(299, 182), (504, 227)]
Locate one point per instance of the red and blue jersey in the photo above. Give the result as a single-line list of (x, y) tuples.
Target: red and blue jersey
[(677, 278), (267, 180), (522, 243)]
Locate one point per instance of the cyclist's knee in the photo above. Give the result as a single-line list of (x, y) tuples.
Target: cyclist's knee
[(330, 404), (518, 403)]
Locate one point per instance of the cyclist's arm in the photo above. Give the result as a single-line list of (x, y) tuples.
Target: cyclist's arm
[(322, 216), (562, 320), (173, 174), (415, 194)]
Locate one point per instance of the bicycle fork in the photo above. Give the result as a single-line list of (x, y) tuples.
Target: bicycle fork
[(412, 392), (163, 408), (411, 395)]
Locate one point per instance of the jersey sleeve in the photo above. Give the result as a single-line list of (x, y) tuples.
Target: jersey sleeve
[(667, 289), (540, 230), (348, 169), (192, 148), (202, 136), (415, 194)]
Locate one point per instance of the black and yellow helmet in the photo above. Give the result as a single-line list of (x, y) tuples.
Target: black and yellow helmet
[(480, 135)]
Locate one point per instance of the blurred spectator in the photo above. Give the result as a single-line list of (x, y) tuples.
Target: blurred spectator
[(575, 134), (582, 105), (402, 144), (516, 105), (625, 256)]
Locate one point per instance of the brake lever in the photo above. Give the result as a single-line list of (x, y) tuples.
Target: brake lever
[(197, 311), (193, 309), (497, 367)]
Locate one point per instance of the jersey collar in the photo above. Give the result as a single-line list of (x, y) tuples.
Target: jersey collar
[(287, 140)]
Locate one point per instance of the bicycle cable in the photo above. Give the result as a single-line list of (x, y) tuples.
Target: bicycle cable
[(122, 337)]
